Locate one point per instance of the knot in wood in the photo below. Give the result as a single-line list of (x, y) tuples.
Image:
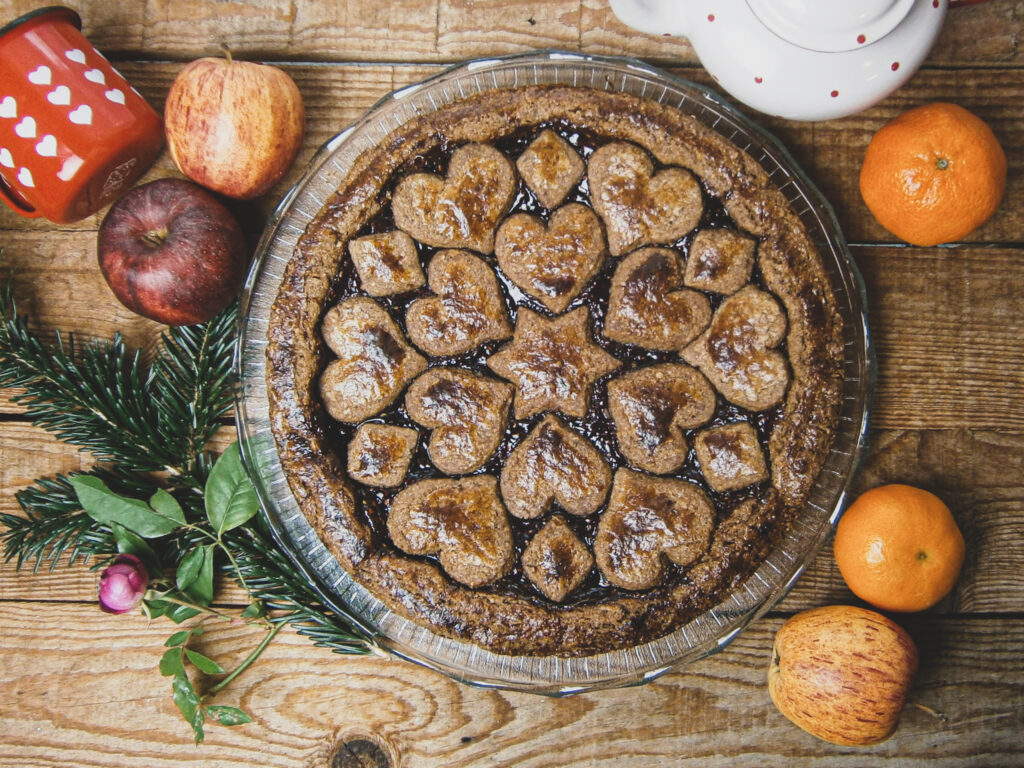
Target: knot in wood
[(360, 753)]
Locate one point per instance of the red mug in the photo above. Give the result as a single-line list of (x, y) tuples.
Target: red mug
[(73, 133)]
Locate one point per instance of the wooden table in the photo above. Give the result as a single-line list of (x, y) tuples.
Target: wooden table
[(81, 688)]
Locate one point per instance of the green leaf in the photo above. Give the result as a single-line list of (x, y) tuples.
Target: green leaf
[(228, 715), (178, 638), (200, 590), (254, 610), (129, 542), (230, 498), (167, 505), (189, 567), (105, 506), (197, 724), (185, 697), (204, 664), (171, 664), (179, 613)]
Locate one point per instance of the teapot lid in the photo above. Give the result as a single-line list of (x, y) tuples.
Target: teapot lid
[(830, 26)]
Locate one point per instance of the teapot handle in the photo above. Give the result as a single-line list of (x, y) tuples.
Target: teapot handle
[(655, 17)]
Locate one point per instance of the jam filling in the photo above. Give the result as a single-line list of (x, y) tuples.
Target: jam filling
[(597, 426)]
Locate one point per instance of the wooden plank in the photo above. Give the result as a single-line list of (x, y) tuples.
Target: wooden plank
[(975, 472), (830, 152), (442, 30), (947, 328), (306, 701), (945, 323)]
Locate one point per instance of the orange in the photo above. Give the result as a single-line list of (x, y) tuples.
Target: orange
[(899, 548), (933, 174)]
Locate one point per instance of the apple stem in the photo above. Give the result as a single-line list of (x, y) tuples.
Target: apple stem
[(155, 237), (226, 51)]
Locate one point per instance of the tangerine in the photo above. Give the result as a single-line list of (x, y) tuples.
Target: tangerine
[(934, 174), (899, 548)]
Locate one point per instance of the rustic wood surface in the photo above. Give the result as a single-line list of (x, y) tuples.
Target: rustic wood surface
[(81, 688)]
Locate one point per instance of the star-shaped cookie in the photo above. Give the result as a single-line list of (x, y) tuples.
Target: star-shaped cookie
[(553, 363)]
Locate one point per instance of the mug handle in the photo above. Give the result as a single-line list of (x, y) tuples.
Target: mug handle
[(8, 196)]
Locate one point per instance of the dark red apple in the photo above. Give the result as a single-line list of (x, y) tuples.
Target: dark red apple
[(172, 252)]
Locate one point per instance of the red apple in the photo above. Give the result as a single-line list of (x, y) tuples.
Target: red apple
[(234, 126), (172, 252), (842, 673)]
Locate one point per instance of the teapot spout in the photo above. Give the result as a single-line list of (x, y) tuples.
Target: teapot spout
[(655, 17)]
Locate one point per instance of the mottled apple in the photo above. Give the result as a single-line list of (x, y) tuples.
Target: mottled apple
[(234, 126)]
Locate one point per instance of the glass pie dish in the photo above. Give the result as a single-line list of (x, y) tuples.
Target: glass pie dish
[(553, 675)]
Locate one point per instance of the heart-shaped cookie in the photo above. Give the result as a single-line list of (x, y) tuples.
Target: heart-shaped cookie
[(648, 305), (653, 407), (552, 262), (649, 519), (554, 463), (461, 210), (374, 361), (736, 351), (461, 521), (467, 413), (466, 310), (639, 206)]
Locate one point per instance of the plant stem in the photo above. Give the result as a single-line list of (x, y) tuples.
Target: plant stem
[(194, 606), (234, 564), (247, 662)]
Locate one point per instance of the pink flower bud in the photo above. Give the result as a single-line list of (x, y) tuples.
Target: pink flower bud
[(123, 584)]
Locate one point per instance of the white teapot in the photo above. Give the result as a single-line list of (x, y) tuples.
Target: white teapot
[(799, 59)]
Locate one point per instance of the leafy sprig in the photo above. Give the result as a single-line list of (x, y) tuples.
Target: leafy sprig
[(156, 494)]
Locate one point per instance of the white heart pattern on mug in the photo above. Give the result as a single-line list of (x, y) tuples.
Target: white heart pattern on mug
[(76, 55), (8, 107), (116, 95), (25, 177), (41, 75), (48, 146), (60, 96), (26, 128), (81, 115), (6, 158), (96, 76)]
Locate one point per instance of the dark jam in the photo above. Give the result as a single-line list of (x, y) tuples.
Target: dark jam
[(597, 425)]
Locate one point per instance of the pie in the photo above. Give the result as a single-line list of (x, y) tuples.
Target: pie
[(553, 370)]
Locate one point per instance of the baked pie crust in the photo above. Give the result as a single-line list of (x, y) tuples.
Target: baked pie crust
[(585, 495)]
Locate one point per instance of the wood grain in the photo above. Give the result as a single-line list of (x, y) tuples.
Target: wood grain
[(975, 472), (89, 685), (829, 151), (81, 688), (443, 30)]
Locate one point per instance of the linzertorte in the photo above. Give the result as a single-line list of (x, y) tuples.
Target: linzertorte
[(553, 370)]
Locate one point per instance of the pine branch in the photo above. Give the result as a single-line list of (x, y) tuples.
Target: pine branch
[(274, 579), (101, 398), (192, 385), (54, 523)]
